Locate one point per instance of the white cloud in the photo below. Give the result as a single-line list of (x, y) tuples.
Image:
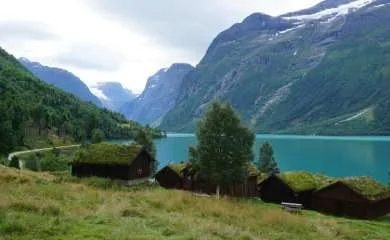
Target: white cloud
[(124, 41)]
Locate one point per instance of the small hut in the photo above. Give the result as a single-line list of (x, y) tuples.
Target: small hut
[(125, 162), (294, 187), (171, 176), (358, 197), (183, 176)]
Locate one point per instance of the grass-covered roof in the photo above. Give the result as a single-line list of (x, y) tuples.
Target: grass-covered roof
[(367, 186), (108, 154), (304, 181), (178, 168)]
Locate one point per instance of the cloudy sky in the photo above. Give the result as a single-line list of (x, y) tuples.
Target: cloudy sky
[(122, 40)]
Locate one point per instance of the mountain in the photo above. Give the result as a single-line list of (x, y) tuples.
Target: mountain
[(62, 79), (323, 70), (36, 114), (159, 95), (112, 94)]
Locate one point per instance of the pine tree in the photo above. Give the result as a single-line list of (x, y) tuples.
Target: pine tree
[(224, 147), (267, 163)]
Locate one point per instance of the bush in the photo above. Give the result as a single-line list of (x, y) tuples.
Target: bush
[(51, 162)]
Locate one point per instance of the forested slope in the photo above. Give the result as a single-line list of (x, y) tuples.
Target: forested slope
[(31, 109)]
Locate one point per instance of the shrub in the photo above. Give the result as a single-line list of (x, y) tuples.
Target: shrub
[(51, 162)]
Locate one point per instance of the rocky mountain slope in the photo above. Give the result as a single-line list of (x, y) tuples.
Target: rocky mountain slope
[(112, 94), (62, 79), (159, 95), (323, 70)]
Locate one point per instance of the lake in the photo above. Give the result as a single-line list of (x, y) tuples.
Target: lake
[(333, 156)]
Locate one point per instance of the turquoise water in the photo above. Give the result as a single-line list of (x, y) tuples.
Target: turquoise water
[(333, 156)]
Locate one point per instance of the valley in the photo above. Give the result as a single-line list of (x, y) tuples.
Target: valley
[(195, 120)]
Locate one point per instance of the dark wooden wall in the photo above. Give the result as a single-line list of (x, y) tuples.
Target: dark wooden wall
[(276, 191), (141, 166), (340, 200), (167, 178), (99, 170), (246, 189)]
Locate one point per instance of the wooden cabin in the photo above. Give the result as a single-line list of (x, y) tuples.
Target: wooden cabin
[(293, 187), (171, 176), (343, 199), (125, 162), (183, 176)]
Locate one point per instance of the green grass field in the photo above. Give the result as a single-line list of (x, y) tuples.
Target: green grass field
[(46, 206)]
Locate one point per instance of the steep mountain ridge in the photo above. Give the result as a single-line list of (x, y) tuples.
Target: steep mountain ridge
[(62, 79), (159, 95), (302, 72)]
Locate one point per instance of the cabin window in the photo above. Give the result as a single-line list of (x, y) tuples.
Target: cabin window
[(139, 171)]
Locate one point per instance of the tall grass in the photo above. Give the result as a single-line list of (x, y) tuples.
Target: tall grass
[(45, 206)]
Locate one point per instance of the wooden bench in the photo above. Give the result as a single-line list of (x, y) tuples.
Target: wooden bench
[(292, 207)]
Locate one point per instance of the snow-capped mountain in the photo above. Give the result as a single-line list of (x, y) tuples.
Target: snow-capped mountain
[(112, 94), (159, 95), (337, 9)]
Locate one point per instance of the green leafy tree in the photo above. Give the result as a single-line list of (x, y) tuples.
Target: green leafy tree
[(224, 147), (267, 162), (142, 137), (97, 136)]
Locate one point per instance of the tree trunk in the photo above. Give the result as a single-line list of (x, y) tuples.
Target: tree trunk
[(218, 189)]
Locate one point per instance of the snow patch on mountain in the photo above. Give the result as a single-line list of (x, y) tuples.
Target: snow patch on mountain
[(291, 29), (98, 93), (382, 5), (333, 12)]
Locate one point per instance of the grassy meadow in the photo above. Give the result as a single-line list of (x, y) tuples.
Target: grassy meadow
[(57, 206)]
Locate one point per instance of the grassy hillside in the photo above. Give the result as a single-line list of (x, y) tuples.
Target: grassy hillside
[(44, 206), (35, 114)]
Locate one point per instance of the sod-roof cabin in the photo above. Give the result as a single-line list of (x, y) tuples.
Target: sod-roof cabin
[(125, 162), (357, 197), (294, 187), (183, 176), (172, 176)]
